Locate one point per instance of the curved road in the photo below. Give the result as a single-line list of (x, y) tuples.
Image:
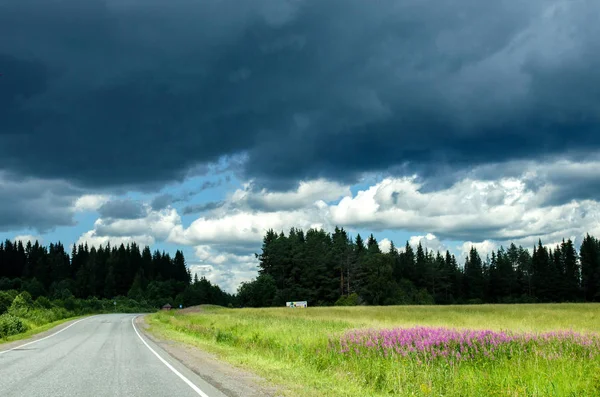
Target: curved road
[(104, 355)]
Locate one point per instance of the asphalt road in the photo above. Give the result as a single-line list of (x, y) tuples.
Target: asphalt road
[(102, 355)]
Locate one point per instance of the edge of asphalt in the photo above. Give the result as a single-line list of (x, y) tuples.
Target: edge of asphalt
[(4, 346), (206, 388), (227, 379)]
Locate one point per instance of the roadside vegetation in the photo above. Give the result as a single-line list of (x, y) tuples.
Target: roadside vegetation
[(40, 287), (491, 350), (22, 316)]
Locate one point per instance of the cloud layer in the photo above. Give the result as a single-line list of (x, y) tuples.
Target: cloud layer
[(303, 89), (478, 122)]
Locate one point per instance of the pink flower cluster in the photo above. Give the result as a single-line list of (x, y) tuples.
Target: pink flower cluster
[(427, 344)]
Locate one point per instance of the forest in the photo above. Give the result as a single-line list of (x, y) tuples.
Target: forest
[(146, 277), (319, 267), (334, 269)]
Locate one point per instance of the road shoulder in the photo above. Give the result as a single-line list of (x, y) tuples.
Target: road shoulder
[(232, 381), (40, 335)]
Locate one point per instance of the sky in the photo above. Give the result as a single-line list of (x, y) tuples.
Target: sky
[(195, 125)]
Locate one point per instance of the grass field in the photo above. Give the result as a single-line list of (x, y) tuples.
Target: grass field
[(318, 352)]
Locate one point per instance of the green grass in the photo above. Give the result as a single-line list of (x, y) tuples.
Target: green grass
[(34, 330), (289, 347)]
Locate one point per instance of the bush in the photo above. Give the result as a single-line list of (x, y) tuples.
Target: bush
[(350, 300), (12, 293), (91, 305), (34, 287), (6, 283), (5, 301), (22, 302), (40, 317), (70, 303), (476, 301), (424, 298), (11, 325), (43, 303)]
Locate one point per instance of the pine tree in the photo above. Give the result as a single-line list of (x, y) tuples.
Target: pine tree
[(473, 279), (590, 268), (420, 268), (572, 276), (407, 263), (541, 279), (110, 284)]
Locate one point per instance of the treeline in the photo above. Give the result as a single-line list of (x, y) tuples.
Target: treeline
[(327, 269), (150, 278)]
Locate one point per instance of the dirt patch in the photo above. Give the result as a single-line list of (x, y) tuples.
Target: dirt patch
[(232, 381)]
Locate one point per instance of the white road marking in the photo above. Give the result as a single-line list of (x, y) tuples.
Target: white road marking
[(186, 380), (46, 337)]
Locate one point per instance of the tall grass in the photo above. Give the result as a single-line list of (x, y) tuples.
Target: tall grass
[(336, 351)]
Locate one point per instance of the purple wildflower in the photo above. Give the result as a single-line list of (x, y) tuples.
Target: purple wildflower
[(427, 344)]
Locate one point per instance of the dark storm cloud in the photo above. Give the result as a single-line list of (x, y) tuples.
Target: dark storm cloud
[(122, 209), (36, 205), (196, 208), (164, 200), (571, 181), (135, 92)]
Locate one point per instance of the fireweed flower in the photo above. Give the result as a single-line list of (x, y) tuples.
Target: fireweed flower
[(428, 344)]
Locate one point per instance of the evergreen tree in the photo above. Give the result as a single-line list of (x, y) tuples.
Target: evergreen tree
[(589, 255), (473, 279), (110, 284), (572, 275), (407, 264), (541, 277), (420, 280)]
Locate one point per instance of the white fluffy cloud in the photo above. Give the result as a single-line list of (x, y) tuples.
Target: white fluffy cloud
[(93, 239), (308, 193), (471, 210), (28, 238), (385, 244), (90, 202), (158, 224), (462, 209), (429, 241), (241, 227), (155, 226), (484, 248), (225, 269)]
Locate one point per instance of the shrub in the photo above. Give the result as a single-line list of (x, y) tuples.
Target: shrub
[(11, 325), (43, 302), (350, 300), (70, 303), (6, 283), (22, 302), (424, 298), (12, 293), (34, 287), (5, 301)]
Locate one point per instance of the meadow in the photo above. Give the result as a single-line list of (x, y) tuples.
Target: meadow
[(474, 350)]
